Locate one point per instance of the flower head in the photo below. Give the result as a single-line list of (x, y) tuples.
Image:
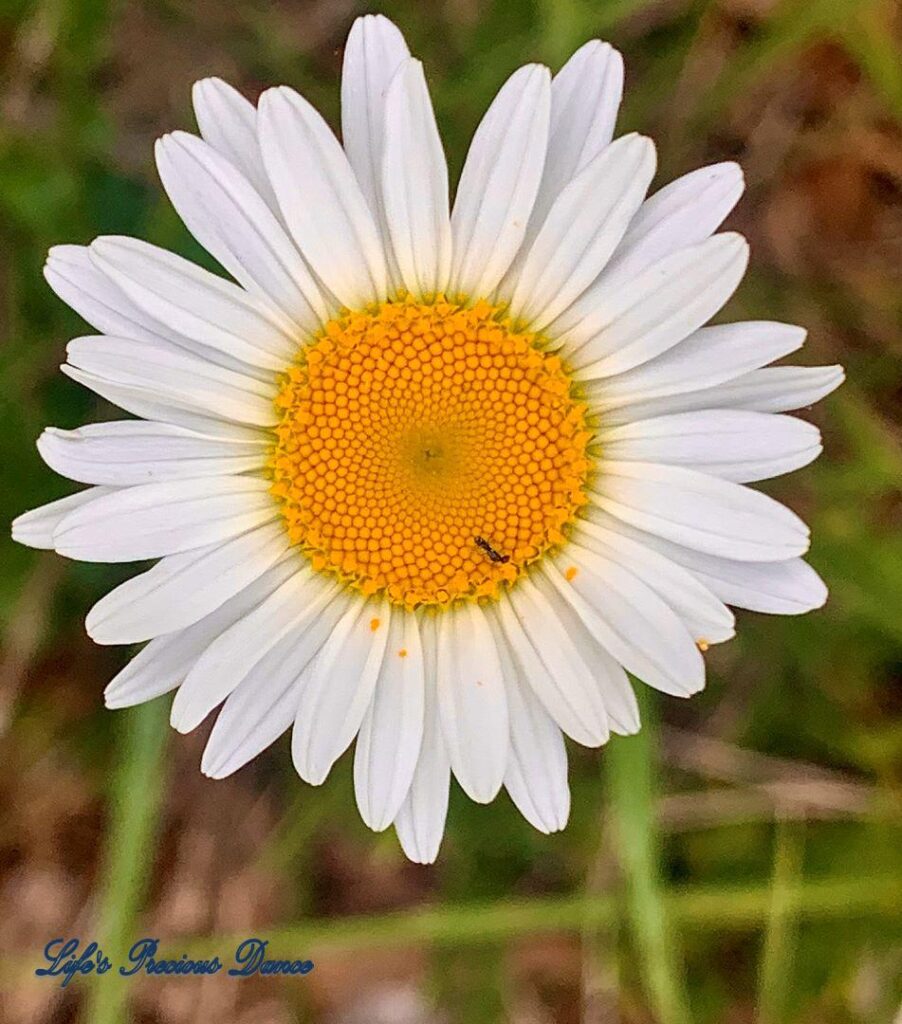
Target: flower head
[(432, 477)]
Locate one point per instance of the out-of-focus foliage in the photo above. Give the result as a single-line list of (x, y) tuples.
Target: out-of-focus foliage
[(775, 789)]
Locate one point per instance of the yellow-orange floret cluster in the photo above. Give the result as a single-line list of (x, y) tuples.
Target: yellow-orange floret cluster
[(427, 450)]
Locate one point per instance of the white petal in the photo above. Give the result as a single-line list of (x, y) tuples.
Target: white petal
[(499, 182), (230, 220), (781, 588), (320, 198), (75, 276), (163, 663), (373, 53), (181, 589), (71, 273), (255, 715), (151, 405), (415, 184), (340, 688), (180, 379), (127, 452), (550, 663), (293, 609), (36, 527), (421, 819), (772, 389), (781, 388), (700, 511), (472, 702), (266, 702), (682, 213), (706, 358), (581, 231), (614, 330), (706, 617), (620, 705), (735, 445), (257, 712), (388, 745), (260, 708), (212, 312), (631, 622), (536, 773), (228, 122), (153, 520), (585, 98)]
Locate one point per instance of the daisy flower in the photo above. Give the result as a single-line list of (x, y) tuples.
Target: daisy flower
[(433, 476)]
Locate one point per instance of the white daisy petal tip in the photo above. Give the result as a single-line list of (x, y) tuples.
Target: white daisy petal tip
[(423, 850), (168, 145), (725, 183), (183, 721), (204, 89), (105, 246), (25, 530), (114, 700), (217, 764), (628, 728), (546, 819), (795, 335), (543, 802), (735, 244), (312, 772), (829, 380), (31, 529), (218, 768), (376, 27), (597, 50), (223, 114), (58, 256), (423, 857), (814, 594)]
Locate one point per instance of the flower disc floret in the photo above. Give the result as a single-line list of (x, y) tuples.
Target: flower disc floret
[(428, 450)]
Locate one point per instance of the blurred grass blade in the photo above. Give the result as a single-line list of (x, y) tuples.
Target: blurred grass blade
[(777, 954), (600, 940), (135, 798), (631, 766)]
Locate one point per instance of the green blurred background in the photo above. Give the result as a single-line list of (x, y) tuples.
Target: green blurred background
[(738, 861)]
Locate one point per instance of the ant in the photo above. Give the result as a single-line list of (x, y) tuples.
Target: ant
[(490, 551)]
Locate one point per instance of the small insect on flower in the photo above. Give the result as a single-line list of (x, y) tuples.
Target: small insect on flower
[(495, 556)]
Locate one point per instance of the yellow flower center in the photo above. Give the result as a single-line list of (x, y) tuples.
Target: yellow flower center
[(427, 450)]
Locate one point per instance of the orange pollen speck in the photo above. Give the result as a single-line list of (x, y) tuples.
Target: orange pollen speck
[(374, 624), (402, 653), (570, 574), (427, 451)]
